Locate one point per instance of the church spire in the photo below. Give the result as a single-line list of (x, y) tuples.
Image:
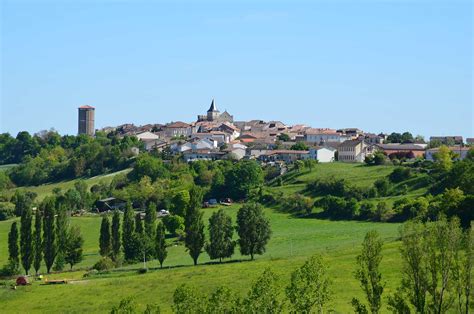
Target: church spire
[(213, 107)]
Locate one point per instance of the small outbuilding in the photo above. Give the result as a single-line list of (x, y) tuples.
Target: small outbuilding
[(110, 204)]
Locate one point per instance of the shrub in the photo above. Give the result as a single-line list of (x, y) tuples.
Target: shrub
[(298, 204), (366, 210), (400, 174), (104, 263), (7, 210), (338, 207), (382, 186), (143, 270)]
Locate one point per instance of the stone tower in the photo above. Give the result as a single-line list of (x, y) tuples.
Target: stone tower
[(86, 120)]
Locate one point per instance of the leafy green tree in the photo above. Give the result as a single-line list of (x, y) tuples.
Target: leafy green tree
[(284, 137), (160, 243), (187, 301), (105, 245), (126, 306), (49, 233), (221, 300), (299, 146), (244, 177), (194, 225), (37, 242), (264, 295), (309, 287), (150, 220), (180, 202), (368, 273), (62, 227), (220, 236), (443, 159), (116, 243), (173, 223), (253, 229), (74, 243), (26, 239), (13, 249), (22, 200), (128, 230), (465, 274)]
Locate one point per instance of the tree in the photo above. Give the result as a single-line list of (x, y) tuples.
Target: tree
[(443, 159), (160, 243), (186, 300), (464, 276), (49, 233), (299, 146), (284, 137), (37, 242), (26, 239), (128, 230), (244, 177), (13, 250), (62, 228), (264, 295), (253, 229), (368, 274), (105, 245), (193, 225), (309, 286), (220, 236), (150, 220), (74, 243), (115, 241), (221, 300)]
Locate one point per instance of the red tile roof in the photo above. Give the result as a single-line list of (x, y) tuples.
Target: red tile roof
[(86, 107)]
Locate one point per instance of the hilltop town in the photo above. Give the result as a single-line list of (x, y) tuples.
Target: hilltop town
[(216, 135)]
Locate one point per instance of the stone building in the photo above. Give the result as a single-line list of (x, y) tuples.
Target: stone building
[(214, 115)]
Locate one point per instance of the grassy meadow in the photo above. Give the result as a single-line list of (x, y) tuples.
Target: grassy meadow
[(293, 241)]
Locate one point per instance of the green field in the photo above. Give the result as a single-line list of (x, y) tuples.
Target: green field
[(293, 240)]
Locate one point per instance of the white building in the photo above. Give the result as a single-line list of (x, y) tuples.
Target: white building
[(322, 154)]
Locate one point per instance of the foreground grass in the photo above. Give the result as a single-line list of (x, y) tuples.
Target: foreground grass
[(293, 241)]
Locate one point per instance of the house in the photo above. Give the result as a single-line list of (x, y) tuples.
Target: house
[(322, 154), (219, 137), (320, 136), (470, 141), (288, 156), (459, 151), (448, 140), (230, 129), (402, 150), (202, 154), (372, 138), (194, 144), (151, 140), (110, 204), (354, 151), (353, 132), (178, 129)]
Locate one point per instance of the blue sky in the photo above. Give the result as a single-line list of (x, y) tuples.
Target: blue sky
[(377, 65)]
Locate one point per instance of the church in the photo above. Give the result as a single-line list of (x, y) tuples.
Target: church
[(214, 115)]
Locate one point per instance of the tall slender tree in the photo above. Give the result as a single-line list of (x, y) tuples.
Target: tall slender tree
[(220, 236), (116, 242), (37, 242), (139, 229), (49, 233), (368, 273), (26, 239), (62, 228), (13, 249), (194, 225), (128, 230), (150, 220), (160, 243), (105, 238), (74, 243)]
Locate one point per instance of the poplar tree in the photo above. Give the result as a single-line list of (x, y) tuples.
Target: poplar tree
[(62, 228), (160, 243), (38, 242), (116, 243), (194, 226), (150, 221), (26, 239), (49, 233), (128, 230), (13, 249), (105, 239)]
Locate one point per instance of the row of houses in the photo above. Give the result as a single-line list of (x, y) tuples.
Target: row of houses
[(216, 135)]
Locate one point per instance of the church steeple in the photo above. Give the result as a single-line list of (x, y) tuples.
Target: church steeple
[(213, 107)]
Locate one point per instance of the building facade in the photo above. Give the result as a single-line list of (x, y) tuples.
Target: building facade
[(86, 120), (354, 151)]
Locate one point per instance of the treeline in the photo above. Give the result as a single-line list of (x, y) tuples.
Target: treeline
[(47, 156), (135, 238), (436, 277), (449, 182), (47, 238)]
